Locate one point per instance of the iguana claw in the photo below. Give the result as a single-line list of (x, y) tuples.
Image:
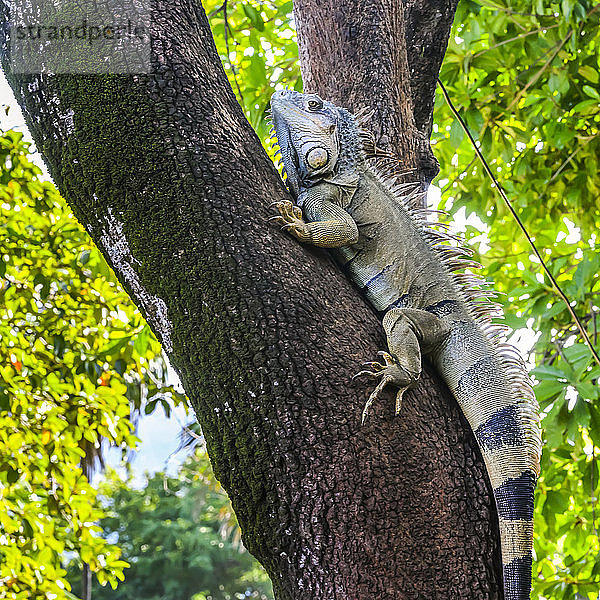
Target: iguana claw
[(290, 219), (377, 367), (375, 395), (287, 210), (391, 373)]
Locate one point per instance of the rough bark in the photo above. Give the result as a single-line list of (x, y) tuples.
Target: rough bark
[(172, 184), (428, 26)]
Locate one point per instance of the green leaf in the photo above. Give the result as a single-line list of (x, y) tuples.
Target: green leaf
[(548, 389), (456, 133), (12, 475), (150, 406), (578, 355), (120, 366), (555, 309), (113, 347), (84, 257), (254, 16), (548, 372), (4, 399), (566, 6), (27, 529), (587, 391), (556, 501), (58, 343), (142, 340), (285, 8), (589, 73), (475, 122), (591, 92), (166, 407)]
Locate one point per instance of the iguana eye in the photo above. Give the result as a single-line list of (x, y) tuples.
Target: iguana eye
[(315, 104), (317, 158)]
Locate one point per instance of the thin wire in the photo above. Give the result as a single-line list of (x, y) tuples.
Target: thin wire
[(594, 529), (502, 193), (593, 485), (593, 498)]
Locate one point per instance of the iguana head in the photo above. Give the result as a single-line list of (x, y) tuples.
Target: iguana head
[(310, 133)]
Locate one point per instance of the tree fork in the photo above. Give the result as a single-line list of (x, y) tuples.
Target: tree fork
[(170, 180)]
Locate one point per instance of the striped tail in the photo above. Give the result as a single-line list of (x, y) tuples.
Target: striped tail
[(490, 383)]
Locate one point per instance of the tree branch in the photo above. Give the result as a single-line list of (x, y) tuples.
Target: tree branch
[(354, 54), (379, 55), (428, 25)]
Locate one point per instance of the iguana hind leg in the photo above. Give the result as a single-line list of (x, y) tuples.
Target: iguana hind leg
[(410, 332)]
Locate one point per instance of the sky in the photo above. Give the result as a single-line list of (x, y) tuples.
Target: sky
[(159, 437), (14, 119)]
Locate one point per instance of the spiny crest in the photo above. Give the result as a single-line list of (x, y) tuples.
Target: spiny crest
[(367, 138), (385, 163), (388, 169), (450, 248)]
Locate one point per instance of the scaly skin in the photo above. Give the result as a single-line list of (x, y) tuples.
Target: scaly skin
[(407, 271)]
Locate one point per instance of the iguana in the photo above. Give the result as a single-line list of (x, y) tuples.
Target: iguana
[(414, 276)]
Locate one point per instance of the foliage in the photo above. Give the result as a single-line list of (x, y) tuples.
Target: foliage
[(525, 77), (257, 45), (77, 357), (171, 532)]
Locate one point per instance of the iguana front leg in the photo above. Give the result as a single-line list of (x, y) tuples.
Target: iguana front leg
[(410, 333), (328, 226)]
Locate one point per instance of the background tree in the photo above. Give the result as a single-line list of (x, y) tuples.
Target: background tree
[(78, 361), (179, 538)]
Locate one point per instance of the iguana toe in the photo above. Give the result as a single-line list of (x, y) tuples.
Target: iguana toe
[(391, 373), (287, 210), (290, 219), (374, 369), (374, 396)]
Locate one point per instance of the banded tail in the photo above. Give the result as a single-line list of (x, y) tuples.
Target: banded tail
[(490, 383)]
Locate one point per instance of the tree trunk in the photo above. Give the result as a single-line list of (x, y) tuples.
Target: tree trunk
[(86, 582), (170, 180)]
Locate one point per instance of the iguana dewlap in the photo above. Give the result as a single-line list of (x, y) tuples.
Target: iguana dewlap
[(414, 276)]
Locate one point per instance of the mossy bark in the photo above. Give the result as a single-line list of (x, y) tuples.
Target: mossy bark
[(172, 183)]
